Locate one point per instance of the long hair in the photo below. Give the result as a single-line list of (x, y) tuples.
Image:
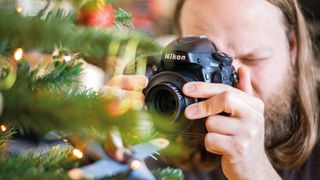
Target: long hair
[(294, 152)]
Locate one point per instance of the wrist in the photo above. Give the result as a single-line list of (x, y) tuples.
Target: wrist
[(268, 172)]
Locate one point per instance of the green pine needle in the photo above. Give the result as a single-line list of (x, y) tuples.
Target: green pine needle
[(123, 17), (4, 138), (46, 165), (59, 30), (39, 105), (62, 76), (169, 174)]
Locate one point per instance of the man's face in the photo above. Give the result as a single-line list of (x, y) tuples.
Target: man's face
[(254, 34)]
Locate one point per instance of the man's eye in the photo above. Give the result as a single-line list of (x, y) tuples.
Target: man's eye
[(253, 60)]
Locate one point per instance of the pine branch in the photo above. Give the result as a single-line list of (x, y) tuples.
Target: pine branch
[(44, 166), (33, 105), (123, 17), (62, 76), (58, 30), (169, 173), (4, 137)]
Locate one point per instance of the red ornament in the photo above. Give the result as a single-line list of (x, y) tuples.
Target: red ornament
[(96, 15)]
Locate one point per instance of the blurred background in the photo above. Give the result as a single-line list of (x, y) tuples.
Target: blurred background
[(153, 17)]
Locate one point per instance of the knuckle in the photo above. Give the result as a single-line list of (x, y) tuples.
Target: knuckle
[(226, 101), (207, 142), (251, 132), (205, 107), (226, 96), (241, 148), (199, 86), (209, 123), (258, 119)]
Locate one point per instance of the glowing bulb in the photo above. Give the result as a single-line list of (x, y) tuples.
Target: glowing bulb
[(18, 54), (19, 9), (135, 164), (77, 153), (67, 58), (65, 139), (3, 128)]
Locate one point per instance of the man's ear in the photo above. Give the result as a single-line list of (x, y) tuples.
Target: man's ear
[(293, 45)]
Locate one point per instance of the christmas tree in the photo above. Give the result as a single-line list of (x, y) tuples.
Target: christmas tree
[(42, 99)]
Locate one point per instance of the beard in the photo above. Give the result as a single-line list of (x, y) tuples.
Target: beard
[(281, 112)]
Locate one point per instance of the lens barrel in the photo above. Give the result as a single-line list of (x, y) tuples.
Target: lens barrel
[(164, 96)]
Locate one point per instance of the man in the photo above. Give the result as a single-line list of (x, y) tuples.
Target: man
[(272, 129)]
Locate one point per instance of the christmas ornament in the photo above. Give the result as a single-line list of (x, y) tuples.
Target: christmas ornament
[(8, 73), (96, 13)]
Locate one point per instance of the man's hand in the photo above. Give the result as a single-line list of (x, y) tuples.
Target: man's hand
[(126, 90), (239, 137)]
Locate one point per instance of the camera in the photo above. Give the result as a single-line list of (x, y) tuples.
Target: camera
[(192, 58)]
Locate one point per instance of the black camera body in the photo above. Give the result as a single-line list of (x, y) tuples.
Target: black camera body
[(193, 58)]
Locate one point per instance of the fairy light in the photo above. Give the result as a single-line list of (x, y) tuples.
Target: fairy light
[(3, 128), (19, 9), (18, 54), (65, 139), (76, 152), (135, 164), (67, 58)]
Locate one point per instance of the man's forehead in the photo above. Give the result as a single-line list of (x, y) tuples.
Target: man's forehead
[(238, 29), (230, 12)]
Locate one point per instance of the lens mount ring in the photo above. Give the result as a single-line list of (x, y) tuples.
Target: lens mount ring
[(164, 94)]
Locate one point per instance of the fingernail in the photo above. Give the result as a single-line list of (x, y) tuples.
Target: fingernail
[(189, 88), (191, 110)]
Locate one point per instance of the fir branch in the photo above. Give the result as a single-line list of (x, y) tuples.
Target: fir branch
[(45, 35), (41, 109), (58, 157), (62, 76), (44, 166), (123, 17), (169, 174), (4, 137)]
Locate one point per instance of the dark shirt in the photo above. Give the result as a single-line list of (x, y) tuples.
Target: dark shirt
[(309, 171)]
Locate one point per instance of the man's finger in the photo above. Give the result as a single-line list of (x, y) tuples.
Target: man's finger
[(244, 81), (223, 125), (116, 92), (129, 82), (226, 102), (203, 89), (219, 144)]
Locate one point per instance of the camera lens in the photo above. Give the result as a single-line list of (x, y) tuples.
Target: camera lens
[(164, 96), (165, 103), (166, 99)]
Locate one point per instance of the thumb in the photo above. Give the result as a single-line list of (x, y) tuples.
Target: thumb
[(244, 83)]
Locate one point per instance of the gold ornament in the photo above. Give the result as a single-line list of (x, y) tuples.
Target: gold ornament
[(8, 73)]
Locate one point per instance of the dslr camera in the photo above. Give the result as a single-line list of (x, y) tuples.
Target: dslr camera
[(192, 58)]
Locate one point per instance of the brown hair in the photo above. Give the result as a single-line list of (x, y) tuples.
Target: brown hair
[(297, 149)]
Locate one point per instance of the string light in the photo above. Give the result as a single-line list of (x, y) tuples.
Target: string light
[(76, 152), (67, 58), (18, 54), (65, 139), (135, 164), (3, 128), (19, 9)]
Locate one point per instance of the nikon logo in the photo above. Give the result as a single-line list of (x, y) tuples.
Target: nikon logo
[(173, 56)]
